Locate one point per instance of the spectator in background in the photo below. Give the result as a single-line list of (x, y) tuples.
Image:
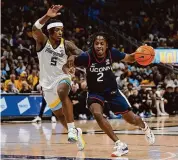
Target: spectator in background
[(135, 102), (11, 88), (175, 101), (3, 72), (168, 81), (8, 52), (122, 81), (33, 78), (129, 91), (175, 79), (145, 102), (2, 88), (133, 79), (25, 88), (147, 80), (21, 67), (169, 99), (22, 77), (158, 101), (74, 85), (13, 80)]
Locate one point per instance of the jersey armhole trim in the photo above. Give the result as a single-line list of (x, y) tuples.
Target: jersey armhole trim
[(110, 57), (42, 46), (89, 59)]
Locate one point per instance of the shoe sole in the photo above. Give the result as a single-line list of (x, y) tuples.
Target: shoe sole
[(125, 152), (80, 138)]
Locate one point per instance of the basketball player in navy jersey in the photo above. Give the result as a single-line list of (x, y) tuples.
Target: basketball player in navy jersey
[(102, 87)]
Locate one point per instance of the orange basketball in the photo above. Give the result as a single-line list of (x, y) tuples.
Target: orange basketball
[(144, 55)]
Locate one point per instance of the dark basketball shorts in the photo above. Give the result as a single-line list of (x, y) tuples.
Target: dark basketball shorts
[(117, 101)]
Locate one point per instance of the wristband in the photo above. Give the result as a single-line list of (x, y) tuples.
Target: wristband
[(38, 24)]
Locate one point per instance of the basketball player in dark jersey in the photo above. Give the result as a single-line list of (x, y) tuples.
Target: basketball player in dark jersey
[(102, 87)]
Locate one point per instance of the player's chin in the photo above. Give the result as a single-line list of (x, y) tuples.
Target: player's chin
[(100, 55), (58, 38)]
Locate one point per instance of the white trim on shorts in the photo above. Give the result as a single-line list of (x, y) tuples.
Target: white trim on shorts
[(125, 98)]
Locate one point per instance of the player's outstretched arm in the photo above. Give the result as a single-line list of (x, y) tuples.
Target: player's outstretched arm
[(72, 49), (129, 58), (37, 33), (121, 56)]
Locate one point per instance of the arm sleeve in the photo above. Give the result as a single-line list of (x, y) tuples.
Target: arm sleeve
[(82, 60), (116, 55)]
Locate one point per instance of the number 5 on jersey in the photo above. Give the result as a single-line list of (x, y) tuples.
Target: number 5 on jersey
[(53, 61), (100, 77)]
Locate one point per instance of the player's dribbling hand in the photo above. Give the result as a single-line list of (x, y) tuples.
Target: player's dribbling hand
[(54, 11)]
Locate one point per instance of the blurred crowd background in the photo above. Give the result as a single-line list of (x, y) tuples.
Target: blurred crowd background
[(151, 90)]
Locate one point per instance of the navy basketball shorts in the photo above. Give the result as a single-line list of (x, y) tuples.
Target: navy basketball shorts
[(118, 102)]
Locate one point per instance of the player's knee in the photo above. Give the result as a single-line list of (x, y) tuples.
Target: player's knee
[(62, 93), (98, 116)]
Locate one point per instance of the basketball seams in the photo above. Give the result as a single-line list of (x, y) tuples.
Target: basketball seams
[(151, 51), (147, 53), (137, 59)]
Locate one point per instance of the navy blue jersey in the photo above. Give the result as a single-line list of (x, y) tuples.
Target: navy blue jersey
[(100, 77)]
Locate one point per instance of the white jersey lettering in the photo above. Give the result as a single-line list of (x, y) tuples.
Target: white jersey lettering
[(51, 62)]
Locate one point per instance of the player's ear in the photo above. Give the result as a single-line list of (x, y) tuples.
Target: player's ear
[(106, 45)]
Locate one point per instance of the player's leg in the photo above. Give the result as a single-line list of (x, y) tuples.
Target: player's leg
[(134, 119), (60, 116), (97, 112), (74, 134), (63, 90), (124, 107), (96, 107), (55, 104)]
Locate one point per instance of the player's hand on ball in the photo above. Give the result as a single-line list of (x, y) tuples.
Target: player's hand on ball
[(54, 11)]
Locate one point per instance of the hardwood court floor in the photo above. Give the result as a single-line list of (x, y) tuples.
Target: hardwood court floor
[(49, 141)]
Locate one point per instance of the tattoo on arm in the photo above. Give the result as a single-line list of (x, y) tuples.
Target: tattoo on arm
[(72, 49)]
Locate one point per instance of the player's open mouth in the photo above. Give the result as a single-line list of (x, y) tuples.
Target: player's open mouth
[(99, 51)]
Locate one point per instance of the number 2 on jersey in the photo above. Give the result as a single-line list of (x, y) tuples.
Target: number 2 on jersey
[(53, 61), (100, 78)]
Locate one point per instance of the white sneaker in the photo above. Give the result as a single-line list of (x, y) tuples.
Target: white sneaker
[(80, 142), (149, 136), (152, 113), (37, 120), (84, 116), (165, 114), (120, 149), (72, 135), (53, 119), (160, 114)]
